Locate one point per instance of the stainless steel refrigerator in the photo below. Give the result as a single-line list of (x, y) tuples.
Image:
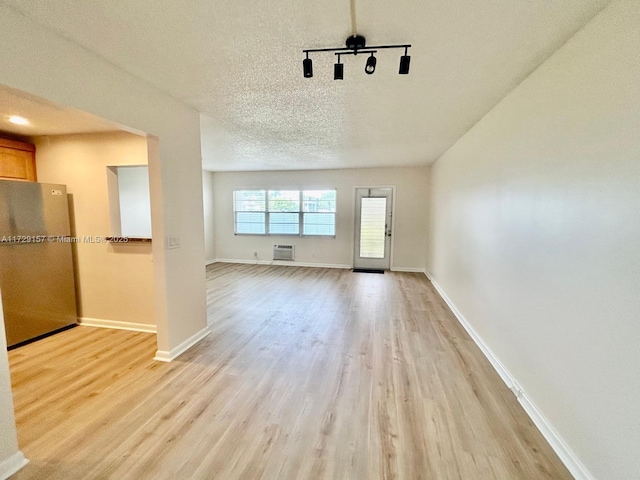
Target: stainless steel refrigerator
[(36, 262)]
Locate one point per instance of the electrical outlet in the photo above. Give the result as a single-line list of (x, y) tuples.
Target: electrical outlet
[(516, 390)]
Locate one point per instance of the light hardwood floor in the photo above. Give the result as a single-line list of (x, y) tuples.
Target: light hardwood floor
[(308, 374)]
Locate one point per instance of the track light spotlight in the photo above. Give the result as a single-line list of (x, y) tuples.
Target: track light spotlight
[(307, 67), (370, 67), (405, 60), (338, 70)]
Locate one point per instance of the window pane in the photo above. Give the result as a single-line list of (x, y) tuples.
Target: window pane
[(319, 218), (319, 201), (373, 214), (249, 201), (284, 229), (248, 222), (319, 224), (283, 218), (250, 217), (284, 223), (284, 201)]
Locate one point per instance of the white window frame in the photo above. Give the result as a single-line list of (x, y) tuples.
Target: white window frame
[(235, 212), (300, 213), (269, 212)]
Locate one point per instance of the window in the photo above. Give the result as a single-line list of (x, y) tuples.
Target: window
[(250, 208), (319, 212), (285, 212)]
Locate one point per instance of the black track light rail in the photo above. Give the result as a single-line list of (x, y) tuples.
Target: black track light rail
[(354, 45), (365, 50), (354, 51)]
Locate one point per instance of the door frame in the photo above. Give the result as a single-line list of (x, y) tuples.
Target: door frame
[(354, 197)]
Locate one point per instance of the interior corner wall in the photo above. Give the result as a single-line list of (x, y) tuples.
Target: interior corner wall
[(411, 185), (37, 60), (11, 459), (114, 282), (208, 209), (535, 239)]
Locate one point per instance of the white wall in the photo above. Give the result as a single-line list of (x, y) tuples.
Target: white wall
[(410, 222), (208, 208), (114, 282), (536, 238), (11, 459), (135, 201), (39, 61)]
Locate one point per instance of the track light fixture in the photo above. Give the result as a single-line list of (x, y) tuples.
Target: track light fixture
[(405, 60), (338, 70), (370, 67), (356, 45), (307, 66)]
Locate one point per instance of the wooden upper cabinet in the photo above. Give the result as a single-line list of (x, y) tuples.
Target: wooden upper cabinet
[(17, 161)]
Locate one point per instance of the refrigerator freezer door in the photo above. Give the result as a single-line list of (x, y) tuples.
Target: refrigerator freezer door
[(36, 276), (30, 209), (38, 292)]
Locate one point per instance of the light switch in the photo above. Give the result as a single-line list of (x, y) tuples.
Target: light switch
[(173, 241)]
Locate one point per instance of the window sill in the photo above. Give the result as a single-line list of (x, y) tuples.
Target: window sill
[(129, 240), (282, 235)]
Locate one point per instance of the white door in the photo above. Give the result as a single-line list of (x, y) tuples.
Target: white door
[(373, 228)]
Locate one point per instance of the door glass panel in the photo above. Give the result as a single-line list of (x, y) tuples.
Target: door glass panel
[(373, 212)]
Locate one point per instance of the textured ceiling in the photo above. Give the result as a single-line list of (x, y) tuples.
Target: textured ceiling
[(239, 63), (45, 118)]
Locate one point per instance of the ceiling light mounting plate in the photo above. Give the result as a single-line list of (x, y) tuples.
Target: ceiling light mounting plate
[(355, 42)]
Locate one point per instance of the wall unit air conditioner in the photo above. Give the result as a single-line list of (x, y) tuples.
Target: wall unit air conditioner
[(283, 252)]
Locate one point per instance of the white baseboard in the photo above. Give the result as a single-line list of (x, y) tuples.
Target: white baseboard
[(168, 356), (564, 452), (118, 325), (12, 464), (209, 262), (285, 263)]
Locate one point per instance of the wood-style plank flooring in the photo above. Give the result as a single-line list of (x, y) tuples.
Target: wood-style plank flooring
[(308, 374)]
